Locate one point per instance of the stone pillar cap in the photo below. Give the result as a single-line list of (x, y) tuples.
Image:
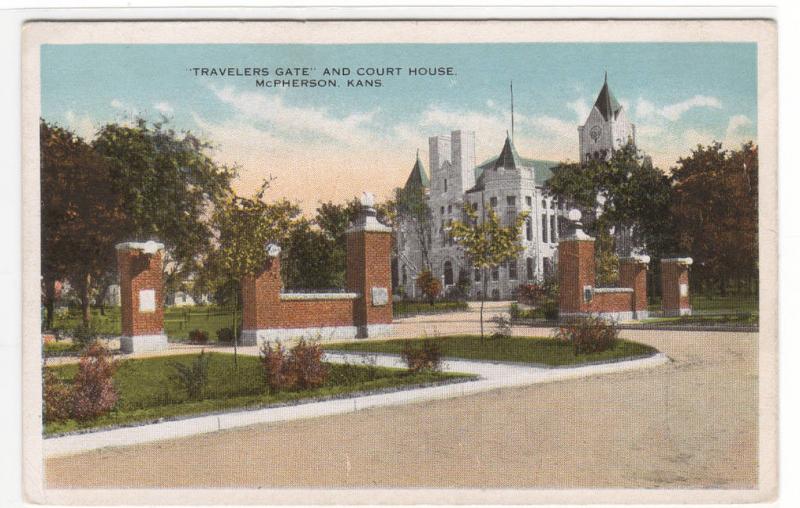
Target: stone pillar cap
[(149, 247), (681, 261), (273, 250), (637, 258), (367, 220), (577, 232)]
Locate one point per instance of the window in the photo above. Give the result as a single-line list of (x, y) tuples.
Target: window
[(477, 274), (448, 273), (528, 201), (548, 267), (511, 200), (511, 216), (512, 269), (445, 184), (405, 275), (495, 272), (544, 228), (529, 268), (493, 202), (528, 229), (449, 209), (441, 210), (553, 228), (495, 294), (544, 204)]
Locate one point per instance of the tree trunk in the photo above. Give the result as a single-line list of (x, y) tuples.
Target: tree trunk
[(85, 304), (483, 299), (235, 330), (49, 303)]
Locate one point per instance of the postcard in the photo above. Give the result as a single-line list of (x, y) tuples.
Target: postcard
[(371, 262)]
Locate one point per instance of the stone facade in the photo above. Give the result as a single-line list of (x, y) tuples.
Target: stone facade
[(365, 310), (508, 184), (140, 267)]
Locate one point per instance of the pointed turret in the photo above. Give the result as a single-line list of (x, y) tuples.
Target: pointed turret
[(508, 159), (418, 176), (606, 103)]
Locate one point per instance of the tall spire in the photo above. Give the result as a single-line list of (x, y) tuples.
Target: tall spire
[(512, 110), (606, 103)]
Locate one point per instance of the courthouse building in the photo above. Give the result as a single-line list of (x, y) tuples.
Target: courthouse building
[(507, 183)]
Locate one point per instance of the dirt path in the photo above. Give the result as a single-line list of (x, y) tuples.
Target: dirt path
[(692, 423)]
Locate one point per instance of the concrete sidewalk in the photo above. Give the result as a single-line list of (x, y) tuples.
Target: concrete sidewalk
[(491, 376)]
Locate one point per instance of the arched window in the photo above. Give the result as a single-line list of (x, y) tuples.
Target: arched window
[(448, 273), (405, 275)]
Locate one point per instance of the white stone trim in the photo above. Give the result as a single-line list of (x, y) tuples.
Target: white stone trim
[(608, 316), (150, 247), (319, 296), (678, 312), (140, 343), (578, 234), (370, 224), (640, 258), (681, 261), (258, 337)]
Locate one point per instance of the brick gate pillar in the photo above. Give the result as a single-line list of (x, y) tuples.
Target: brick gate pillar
[(261, 298), (576, 277), (633, 274), (369, 271), (675, 286), (140, 268)]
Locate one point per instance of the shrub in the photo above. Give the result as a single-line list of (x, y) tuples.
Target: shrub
[(192, 378), (274, 367), (589, 334), (93, 387), (426, 358), (198, 336), (84, 335), (305, 364), (56, 397), (429, 285), (225, 335), (502, 325), (550, 310)]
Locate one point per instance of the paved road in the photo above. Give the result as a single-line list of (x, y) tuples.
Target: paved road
[(691, 423)]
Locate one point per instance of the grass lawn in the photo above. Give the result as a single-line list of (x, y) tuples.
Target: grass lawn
[(539, 350), (178, 321), (731, 303), (745, 319), (147, 392), (60, 347)]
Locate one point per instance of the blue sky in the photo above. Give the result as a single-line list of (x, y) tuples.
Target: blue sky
[(331, 143)]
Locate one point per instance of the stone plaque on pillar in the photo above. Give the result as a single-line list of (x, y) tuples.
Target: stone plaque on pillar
[(380, 296)]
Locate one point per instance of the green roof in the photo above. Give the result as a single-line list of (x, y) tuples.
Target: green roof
[(418, 176), (508, 158)]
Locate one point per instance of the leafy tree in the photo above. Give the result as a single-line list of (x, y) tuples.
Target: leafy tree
[(168, 185), (81, 216), (487, 243), (414, 214), (627, 190), (243, 228), (430, 285), (715, 212)]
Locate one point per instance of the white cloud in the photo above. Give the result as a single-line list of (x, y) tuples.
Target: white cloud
[(352, 129), (82, 125), (164, 107), (118, 104), (645, 109), (735, 123), (581, 108), (490, 103), (675, 111)]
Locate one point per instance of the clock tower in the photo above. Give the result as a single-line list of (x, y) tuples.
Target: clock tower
[(606, 129)]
